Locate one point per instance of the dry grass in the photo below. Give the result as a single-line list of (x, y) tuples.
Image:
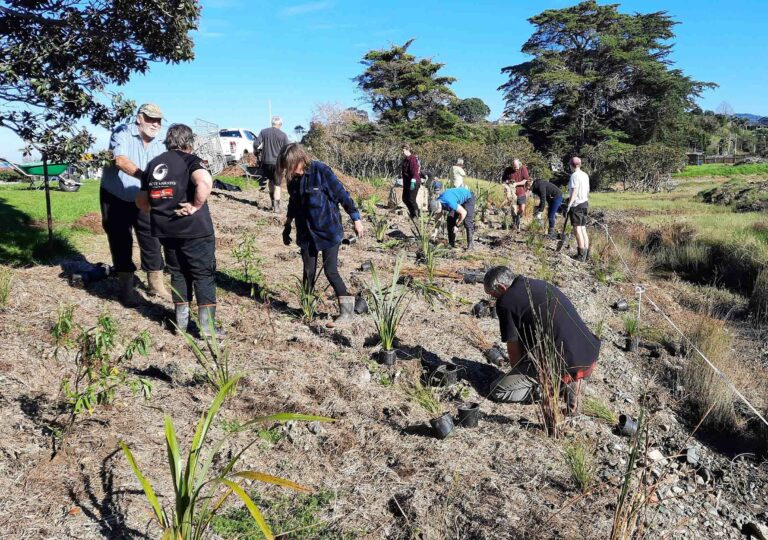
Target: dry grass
[(6, 282), (758, 302), (476, 336), (705, 389)]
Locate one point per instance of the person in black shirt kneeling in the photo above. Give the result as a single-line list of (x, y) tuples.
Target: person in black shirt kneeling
[(174, 190), (539, 324)]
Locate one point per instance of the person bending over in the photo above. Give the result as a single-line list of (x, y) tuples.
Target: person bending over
[(535, 316), (460, 205), (549, 194), (314, 196)]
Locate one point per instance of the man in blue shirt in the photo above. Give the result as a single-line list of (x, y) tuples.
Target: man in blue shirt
[(133, 147), (460, 204)]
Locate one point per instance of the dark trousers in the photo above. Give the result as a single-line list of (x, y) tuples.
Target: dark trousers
[(469, 222), (554, 206), (409, 198), (119, 218), (192, 264), (330, 267)]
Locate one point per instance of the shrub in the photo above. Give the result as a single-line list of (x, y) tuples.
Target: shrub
[(247, 256), (639, 168), (198, 497), (704, 387), (424, 396), (98, 373), (309, 299), (382, 157), (213, 358)]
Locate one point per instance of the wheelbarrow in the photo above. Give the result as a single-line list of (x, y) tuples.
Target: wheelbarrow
[(63, 173)]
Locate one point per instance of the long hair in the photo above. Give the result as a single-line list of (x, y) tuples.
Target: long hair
[(290, 157)]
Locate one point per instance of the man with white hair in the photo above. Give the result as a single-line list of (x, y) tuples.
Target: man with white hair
[(271, 141), (578, 204), (458, 174), (133, 146), (515, 179)]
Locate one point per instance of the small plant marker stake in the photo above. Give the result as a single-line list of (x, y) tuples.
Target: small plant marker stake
[(639, 290)]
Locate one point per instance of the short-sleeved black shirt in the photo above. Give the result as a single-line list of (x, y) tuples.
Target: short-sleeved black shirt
[(530, 305), (168, 180)]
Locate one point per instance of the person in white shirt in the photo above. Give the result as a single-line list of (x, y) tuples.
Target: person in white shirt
[(578, 204), (458, 174)]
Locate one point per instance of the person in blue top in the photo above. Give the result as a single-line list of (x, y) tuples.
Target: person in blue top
[(460, 204), (133, 147), (314, 196)]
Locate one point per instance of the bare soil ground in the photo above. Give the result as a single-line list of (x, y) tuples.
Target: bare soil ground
[(390, 477)]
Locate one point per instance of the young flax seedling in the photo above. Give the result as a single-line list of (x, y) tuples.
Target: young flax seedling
[(199, 494), (388, 305), (247, 255), (309, 299)]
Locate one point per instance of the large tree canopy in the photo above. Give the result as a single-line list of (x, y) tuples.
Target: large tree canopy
[(598, 74), (400, 86), (60, 56), (471, 109)]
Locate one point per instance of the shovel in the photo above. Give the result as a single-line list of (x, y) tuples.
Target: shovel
[(565, 239)]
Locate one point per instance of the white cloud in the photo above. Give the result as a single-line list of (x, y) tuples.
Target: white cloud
[(302, 9)]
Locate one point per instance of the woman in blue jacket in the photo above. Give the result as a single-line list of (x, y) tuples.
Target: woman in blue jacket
[(314, 198)]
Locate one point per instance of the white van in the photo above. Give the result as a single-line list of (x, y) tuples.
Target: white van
[(235, 142)]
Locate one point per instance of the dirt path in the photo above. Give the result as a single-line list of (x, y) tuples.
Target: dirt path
[(390, 478)]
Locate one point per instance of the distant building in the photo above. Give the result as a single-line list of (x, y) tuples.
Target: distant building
[(695, 158)]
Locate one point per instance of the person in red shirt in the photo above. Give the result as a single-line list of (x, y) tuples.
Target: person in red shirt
[(515, 178), (411, 175)]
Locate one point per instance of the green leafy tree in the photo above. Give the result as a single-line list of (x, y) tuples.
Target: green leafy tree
[(60, 57), (597, 74), (401, 87), (470, 110)]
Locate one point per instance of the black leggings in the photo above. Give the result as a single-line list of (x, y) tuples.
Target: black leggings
[(409, 199), (330, 267), (192, 264)]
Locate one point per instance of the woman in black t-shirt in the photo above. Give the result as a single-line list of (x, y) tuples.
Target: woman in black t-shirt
[(174, 190)]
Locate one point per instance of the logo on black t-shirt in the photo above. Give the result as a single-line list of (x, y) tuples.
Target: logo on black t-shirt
[(160, 172)]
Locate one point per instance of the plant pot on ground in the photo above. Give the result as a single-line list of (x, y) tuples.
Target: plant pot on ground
[(469, 414), (387, 304), (387, 357), (444, 375), (442, 426), (632, 327)]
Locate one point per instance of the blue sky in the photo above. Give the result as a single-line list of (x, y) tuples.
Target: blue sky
[(296, 55)]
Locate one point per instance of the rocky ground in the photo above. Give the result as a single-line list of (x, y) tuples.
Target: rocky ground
[(390, 478)]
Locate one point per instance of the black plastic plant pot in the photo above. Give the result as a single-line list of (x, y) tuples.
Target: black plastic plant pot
[(469, 414), (632, 344), (445, 375), (387, 358), (627, 426), (442, 426)]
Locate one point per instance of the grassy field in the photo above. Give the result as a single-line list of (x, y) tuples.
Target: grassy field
[(23, 227), (719, 169)]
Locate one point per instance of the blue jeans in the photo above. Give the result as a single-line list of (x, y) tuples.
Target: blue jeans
[(554, 206)]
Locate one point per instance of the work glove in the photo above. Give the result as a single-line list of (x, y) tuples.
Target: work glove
[(287, 235)]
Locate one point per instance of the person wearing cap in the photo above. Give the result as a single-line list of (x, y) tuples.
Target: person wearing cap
[(271, 141), (536, 321), (578, 206), (457, 173), (460, 204), (133, 146)]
